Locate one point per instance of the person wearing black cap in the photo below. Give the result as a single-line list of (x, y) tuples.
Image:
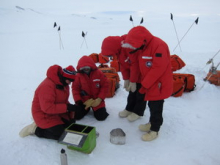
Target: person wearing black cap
[(51, 110)]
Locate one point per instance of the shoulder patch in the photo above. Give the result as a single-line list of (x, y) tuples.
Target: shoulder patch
[(158, 55)]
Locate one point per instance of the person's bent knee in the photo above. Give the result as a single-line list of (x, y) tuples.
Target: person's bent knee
[(101, 114)]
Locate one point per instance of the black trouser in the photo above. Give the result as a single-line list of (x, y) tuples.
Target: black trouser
[(53, 132), (136, 102), (156, 114), (100, 114)]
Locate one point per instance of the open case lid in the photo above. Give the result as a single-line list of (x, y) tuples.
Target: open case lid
[(72, 139)]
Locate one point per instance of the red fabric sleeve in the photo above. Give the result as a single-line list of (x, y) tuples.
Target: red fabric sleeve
[(76, 89), (47, 99)]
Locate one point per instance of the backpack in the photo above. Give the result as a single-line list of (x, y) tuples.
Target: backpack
[(178, 86), (115, 64), (214, 78), (113, 80), (176, 62), (183, 83), (103, 66), (95, 57), (103, 59)]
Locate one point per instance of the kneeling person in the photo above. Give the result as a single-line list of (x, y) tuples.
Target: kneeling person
[(51, 109), (89, 89)]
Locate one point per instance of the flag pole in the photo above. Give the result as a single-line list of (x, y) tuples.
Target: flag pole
[(84, 39), (175, 31), (131, 19), (61, 43), (196, 21)]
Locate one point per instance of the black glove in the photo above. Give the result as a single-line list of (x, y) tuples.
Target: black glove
[(79, 103), (71, 108)]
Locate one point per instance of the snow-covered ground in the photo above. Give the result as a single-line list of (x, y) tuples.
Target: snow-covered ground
[(29, 44)]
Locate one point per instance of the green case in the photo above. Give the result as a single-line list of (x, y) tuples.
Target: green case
[(79, 137)]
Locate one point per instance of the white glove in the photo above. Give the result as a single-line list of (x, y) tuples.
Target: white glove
[(126, 84), (132, 87)]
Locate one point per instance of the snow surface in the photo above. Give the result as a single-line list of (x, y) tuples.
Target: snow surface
[(29, 44)]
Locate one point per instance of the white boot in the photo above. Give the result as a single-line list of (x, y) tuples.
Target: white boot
[(144, 127), (150, 136), (28, 130), (133, 117), (124, 113)]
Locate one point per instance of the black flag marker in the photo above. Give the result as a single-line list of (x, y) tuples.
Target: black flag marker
[(84, 39), (197, 20), (142, 20), (59, 32), (171, 16), (131, 19), (83, 34), (55, 24)]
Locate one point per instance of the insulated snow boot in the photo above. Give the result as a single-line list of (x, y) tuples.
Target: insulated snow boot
[(133, 117), (28, 130), (144, 127), (124, 113), (151, 135)]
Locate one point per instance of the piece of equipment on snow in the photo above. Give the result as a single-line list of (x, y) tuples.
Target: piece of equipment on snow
[(79, 137), (117, 136)]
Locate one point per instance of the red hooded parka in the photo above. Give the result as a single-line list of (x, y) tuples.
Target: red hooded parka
[(50, 103), (129, 67), (94, 85), (154, 63)]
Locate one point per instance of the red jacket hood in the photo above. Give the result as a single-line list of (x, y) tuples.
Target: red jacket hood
[(112, 45), (52, 73), (86, 61), (137, 36)]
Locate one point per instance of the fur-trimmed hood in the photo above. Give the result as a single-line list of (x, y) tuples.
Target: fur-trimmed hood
[(137, 36), (86, 61)]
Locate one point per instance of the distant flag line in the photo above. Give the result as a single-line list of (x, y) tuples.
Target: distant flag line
[(59, 32), (131, 19)]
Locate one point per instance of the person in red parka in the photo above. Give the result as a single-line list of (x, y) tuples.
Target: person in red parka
[(89, 89), (51, 110), (129, 66), (156, 75)]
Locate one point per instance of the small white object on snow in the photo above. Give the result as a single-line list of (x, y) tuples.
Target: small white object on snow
[(117, 136)]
